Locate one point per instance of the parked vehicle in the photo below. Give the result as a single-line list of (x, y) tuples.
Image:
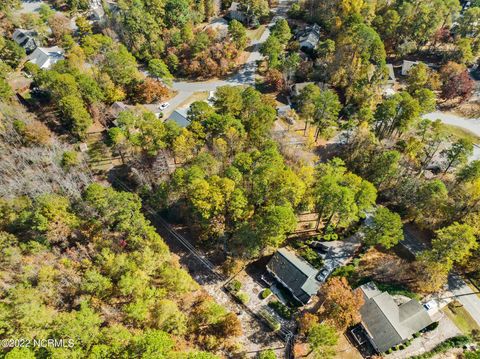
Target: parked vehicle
[(163, 106)]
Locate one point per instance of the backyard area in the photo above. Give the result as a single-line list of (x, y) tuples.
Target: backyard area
[(270, 301)]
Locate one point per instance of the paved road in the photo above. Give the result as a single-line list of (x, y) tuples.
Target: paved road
[(457, 287), (472, 125), (465, 295), (31, 6), (245, 75)]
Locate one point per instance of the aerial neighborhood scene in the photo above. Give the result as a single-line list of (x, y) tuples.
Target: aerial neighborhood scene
[(212, 179)]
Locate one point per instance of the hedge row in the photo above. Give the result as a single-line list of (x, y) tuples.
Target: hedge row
[(454, 342)]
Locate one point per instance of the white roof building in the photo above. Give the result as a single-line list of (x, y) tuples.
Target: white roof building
[(46, 57), (407, 65)]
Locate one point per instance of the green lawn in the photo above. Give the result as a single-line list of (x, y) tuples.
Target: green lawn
[(255, 34), (462, 319), (460, 133)]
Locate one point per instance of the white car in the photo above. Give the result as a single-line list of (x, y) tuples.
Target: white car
[(163, 106), (430, 305)]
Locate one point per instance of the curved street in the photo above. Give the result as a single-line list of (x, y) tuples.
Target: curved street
[(244, 76), (469, 124)]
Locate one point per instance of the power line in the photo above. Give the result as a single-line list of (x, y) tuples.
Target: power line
[(174, 234), (285, 334)]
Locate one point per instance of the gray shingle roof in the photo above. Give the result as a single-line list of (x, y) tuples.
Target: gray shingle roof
[(180, 117), (387, 323), (45, 57), (310, 36), (295, 273), (25, 39)]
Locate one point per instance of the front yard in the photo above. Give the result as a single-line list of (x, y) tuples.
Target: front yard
[(462, 319), (255, 34)]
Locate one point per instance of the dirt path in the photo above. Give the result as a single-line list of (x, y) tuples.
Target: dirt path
[(256, 335)]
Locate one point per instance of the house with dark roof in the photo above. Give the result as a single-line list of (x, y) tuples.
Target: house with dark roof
[(388, 324), (235, 12), (309, 37), (179, 116), (26, 39), (295, 274), (116, 108)]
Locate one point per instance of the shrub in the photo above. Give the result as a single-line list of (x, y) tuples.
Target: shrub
[(345, 271), (243, 297), (455, 342), (236, 285), (330, 237), (389, 351), (416, 335), (267, 354), (311, 257), (69, 159), (265, 293), (431, 327), (281, 309)]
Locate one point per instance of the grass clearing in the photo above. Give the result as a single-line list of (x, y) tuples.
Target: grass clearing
[(255, 34), (196, 96), (462, 319), (459, 132)]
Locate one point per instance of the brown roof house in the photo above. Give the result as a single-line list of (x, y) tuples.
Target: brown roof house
[(388, 324)]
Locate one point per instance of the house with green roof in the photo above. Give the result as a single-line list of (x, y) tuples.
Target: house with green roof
[(295, 274)]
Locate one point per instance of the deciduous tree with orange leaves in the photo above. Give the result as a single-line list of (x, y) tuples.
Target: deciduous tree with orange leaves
[(341, 304)]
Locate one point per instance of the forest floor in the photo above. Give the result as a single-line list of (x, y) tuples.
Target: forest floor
[(256, 335)]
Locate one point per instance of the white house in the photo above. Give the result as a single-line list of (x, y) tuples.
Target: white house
[(46, 57), (407, 65)]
